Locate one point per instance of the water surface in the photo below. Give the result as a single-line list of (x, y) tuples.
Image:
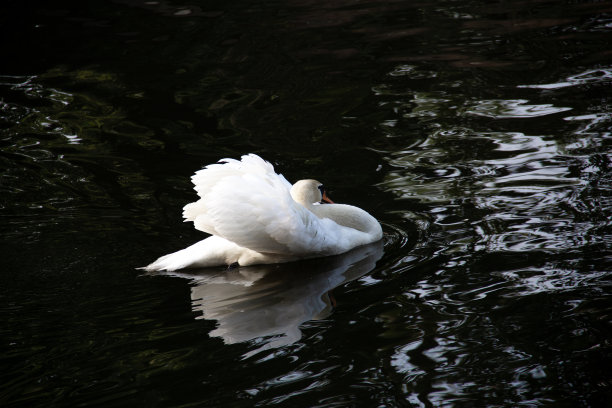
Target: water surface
[(478, 133)]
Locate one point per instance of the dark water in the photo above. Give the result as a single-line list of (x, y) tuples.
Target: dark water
[(477, 132)]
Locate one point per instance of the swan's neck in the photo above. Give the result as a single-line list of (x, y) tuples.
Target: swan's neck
[(307, 192), (348, 216)]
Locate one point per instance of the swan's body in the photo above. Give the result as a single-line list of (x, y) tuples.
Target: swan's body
[(255, 216)]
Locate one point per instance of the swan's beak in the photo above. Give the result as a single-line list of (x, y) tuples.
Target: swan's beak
[(326, 199)]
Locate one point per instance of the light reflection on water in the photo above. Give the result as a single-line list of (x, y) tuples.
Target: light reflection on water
[(523, 183), (600, 76), (519, 191), (513, 108)]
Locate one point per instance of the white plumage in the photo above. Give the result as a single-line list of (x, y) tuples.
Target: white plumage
[(255, 216)]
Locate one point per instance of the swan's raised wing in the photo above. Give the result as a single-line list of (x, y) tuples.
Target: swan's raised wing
[(246, 202)]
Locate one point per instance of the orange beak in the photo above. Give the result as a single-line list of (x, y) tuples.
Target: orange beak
[(326, 198)]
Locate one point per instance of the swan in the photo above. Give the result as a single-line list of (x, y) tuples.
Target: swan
[(255, 216)]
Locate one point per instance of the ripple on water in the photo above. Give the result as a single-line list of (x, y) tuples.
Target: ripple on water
[(59, 147), (512, 108), (498, 196), (599, 76), (552, 277)]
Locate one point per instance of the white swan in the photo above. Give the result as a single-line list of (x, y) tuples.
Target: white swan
[(255, 216)]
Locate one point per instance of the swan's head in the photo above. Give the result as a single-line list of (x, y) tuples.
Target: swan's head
[(308, 192)]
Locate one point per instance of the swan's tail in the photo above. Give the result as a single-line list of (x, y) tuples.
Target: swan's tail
[(212, 251), (171, 262)]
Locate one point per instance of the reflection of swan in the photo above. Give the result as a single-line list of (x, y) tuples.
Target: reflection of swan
[(271, 301), (256, 217)]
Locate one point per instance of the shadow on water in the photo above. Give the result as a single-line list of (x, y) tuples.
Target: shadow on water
[(270, 302)]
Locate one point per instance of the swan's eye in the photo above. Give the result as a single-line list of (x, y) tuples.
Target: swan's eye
[(321, 188)]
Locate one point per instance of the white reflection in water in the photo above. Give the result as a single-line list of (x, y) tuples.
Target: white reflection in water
[(35, 120), (600, 75), (412, 72), (512, 108), (270, 302), (595, 128), (428, 104), (400, 361), (514, 163), (549, 278), (523, 183), (433, 104)]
